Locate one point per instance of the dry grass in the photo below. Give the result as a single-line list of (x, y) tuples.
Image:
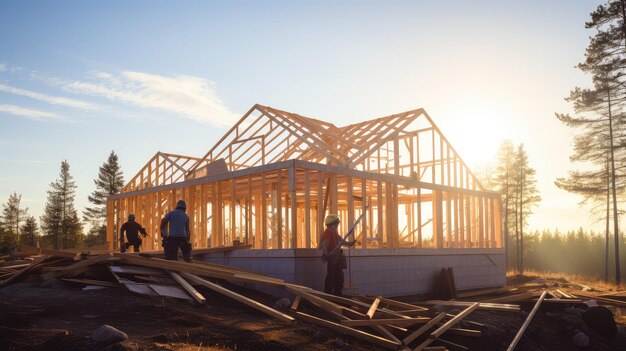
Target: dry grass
[(596, 284)]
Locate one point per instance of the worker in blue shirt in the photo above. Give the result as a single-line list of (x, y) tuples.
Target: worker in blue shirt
[(175, 232)]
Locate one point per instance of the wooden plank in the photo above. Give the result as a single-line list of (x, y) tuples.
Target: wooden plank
[(372, 309), (522, 329), (386, 333), (349, 331), (513, 298), (482, 306), (76, 266), (92, 282), (449, 324), (414, 335), (437, 333), (201, 270), (472, 293), (17, 275), (245, 300), (316, 299), (602, 299), (190, 289), (296, 303), (385, 321)]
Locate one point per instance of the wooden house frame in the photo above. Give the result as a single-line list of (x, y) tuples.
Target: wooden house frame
[(274, 176)]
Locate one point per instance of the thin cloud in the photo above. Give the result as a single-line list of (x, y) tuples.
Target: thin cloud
[(6, 160), (55, 100), (30, 114), (3, 67), (188, 96)]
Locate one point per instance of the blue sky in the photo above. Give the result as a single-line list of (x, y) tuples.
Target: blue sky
[(81, 78)]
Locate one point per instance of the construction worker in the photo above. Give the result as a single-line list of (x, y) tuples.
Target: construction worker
[(175, 232), (132, 230), (333, 256)]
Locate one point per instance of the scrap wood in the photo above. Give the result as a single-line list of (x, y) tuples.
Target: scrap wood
[(452, 345), (489, 291), (372, 309), (190, 289), (603, 299), (323, 303), (386, 333), (513, 298), (349, 331), (245, 300), (352, 302), (395, 303), (520, 332), (296, 303), (92, 282), (482, 305), (29, 249), (449, 324), (196, 252), (17, 275), (201, 270), (385, 321), (135, 270), (414, 335), (465, 332), (564, 294), (76, 256), (560, 301), (76, 266)]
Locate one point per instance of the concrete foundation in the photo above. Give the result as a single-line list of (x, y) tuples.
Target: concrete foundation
[(387, 272)]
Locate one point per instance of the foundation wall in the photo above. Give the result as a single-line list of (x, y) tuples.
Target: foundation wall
[(387, 272)]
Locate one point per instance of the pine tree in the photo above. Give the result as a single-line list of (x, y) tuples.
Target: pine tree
[(600, 108), (504, 179), (527, 197), (29, 232), (13, 215), (110, 181), (60, 223)]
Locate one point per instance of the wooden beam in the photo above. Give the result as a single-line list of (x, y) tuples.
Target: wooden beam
[(522, 329), (233, 295), (349, 331), (185, 285), (385, 321), (414, 335), (76, 266)]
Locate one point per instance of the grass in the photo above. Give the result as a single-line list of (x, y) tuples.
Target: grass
[(591, 282)]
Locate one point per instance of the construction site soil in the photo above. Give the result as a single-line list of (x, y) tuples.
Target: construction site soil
[(58, 315)]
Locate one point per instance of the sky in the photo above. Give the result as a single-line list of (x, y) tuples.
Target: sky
[(79, 79)]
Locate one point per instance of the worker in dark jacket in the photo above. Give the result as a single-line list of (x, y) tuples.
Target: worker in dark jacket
[(333, 256), (175, 232), (132, 230)]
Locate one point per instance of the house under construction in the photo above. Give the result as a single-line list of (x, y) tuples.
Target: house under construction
[(273, 177)]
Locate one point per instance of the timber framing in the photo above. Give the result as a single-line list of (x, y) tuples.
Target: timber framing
[(273, 177)]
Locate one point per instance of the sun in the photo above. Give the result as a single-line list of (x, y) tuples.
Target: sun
[(476, 127)]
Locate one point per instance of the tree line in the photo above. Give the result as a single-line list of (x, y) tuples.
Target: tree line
[(60, 227)]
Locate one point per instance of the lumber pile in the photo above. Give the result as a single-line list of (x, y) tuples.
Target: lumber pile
[(375, 319), (379, 320)]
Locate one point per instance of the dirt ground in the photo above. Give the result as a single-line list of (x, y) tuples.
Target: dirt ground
[(56, 315)]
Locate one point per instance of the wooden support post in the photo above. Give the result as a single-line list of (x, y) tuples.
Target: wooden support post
[(364, 212), (437, 219), (294, 206), (233, 218), (279, 212), (379, 204), (263, 213), (320, 207), (307, 210)]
